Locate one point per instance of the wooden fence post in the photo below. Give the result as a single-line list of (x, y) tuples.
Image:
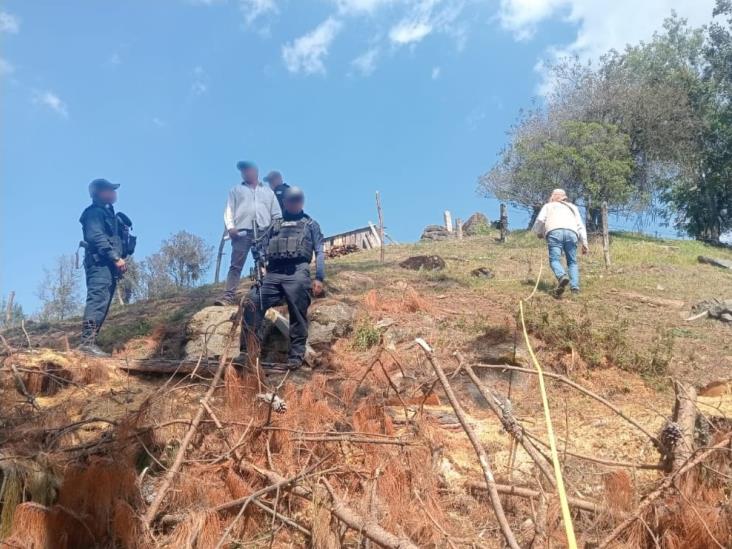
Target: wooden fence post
[(9, 309), (381, 227), (448, 221), (605, 235), (459, 228), (503, 223), (219, 255)]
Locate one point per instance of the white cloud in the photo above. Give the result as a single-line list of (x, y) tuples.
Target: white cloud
[(254, 9), (6, 67), (366, 62), (158, 122), (424, 17), (200, 81), (52, 101), (436, 71), (361, 6), (9, 23), (600, 25), (407, 32), (306, 53)]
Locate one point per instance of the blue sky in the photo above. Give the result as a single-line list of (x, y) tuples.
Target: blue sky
[(345, 97)]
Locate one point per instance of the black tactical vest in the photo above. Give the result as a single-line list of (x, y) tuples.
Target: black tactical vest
[(290, 241)]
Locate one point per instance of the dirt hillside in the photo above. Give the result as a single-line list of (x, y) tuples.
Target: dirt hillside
[(367, 449)]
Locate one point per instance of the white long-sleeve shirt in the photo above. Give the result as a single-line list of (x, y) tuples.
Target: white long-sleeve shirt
[(560, 215), (245, 204)]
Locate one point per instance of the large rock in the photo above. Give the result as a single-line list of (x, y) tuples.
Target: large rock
[(207, 331), (350, 282), (476, 224), (423, 262), (435, 232), (329, 320)]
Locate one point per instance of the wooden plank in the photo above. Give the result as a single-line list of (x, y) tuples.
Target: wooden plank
[(448, 221), (605, 235), (504, 223), (159, 365), (381, 226)]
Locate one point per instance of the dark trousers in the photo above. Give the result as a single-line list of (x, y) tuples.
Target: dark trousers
[(239, 251), (290, 285), (101, 282)]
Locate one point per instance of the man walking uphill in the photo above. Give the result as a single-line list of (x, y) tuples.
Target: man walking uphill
[(289, 245), (559, 221), (249, 202), (107, 242)]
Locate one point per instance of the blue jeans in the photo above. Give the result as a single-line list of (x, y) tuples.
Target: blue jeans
[(564, 240)]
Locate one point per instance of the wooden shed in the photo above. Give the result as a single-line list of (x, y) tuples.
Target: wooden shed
[(364, 238)]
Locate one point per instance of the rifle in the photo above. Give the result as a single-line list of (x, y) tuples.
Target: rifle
[(257, 273)]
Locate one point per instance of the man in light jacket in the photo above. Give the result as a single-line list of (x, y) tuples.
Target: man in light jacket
[(248, 203), (560, 222)]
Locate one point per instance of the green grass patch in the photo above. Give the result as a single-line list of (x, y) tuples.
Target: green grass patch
[(365, 335)]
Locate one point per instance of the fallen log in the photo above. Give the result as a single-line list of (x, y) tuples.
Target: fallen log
[(685, 418), (160, 365)]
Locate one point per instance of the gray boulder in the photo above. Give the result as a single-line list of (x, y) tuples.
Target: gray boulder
[(435, 232), (330, 320), (207, 331), (476, 224)]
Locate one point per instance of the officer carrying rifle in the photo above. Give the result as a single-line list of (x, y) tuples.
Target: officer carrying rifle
[(288, 246), (249, 203), (107, 242)]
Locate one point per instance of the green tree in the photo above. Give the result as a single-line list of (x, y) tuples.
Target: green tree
[(590, 160), (700, 198), (180, 264)]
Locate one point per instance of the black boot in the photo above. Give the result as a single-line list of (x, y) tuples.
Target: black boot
[(88, 343)]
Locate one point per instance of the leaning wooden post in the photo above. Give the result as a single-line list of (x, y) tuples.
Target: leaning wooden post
[(448, 221), (220, 255), (605, 235), (459, 228), (503, 223), (9, 309), (381, 227)]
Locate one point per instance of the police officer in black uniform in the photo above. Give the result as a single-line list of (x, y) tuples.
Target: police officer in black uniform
[(278, 186), (288, 246), (107, 242)]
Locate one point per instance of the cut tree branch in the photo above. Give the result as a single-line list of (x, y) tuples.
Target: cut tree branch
[(479, 450)]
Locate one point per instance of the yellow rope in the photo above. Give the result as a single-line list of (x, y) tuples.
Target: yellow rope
[(566, 516)]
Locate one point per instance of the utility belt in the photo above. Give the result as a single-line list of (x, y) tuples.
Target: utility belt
[(288, 267), (91, 258)]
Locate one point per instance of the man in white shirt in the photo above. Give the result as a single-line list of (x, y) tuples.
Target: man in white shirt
[(560, 222), (248, 203)]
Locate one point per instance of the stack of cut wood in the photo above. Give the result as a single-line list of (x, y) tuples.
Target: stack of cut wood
[(337, 251)]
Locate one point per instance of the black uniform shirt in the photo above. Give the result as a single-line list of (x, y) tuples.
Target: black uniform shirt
[(99, 225)]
